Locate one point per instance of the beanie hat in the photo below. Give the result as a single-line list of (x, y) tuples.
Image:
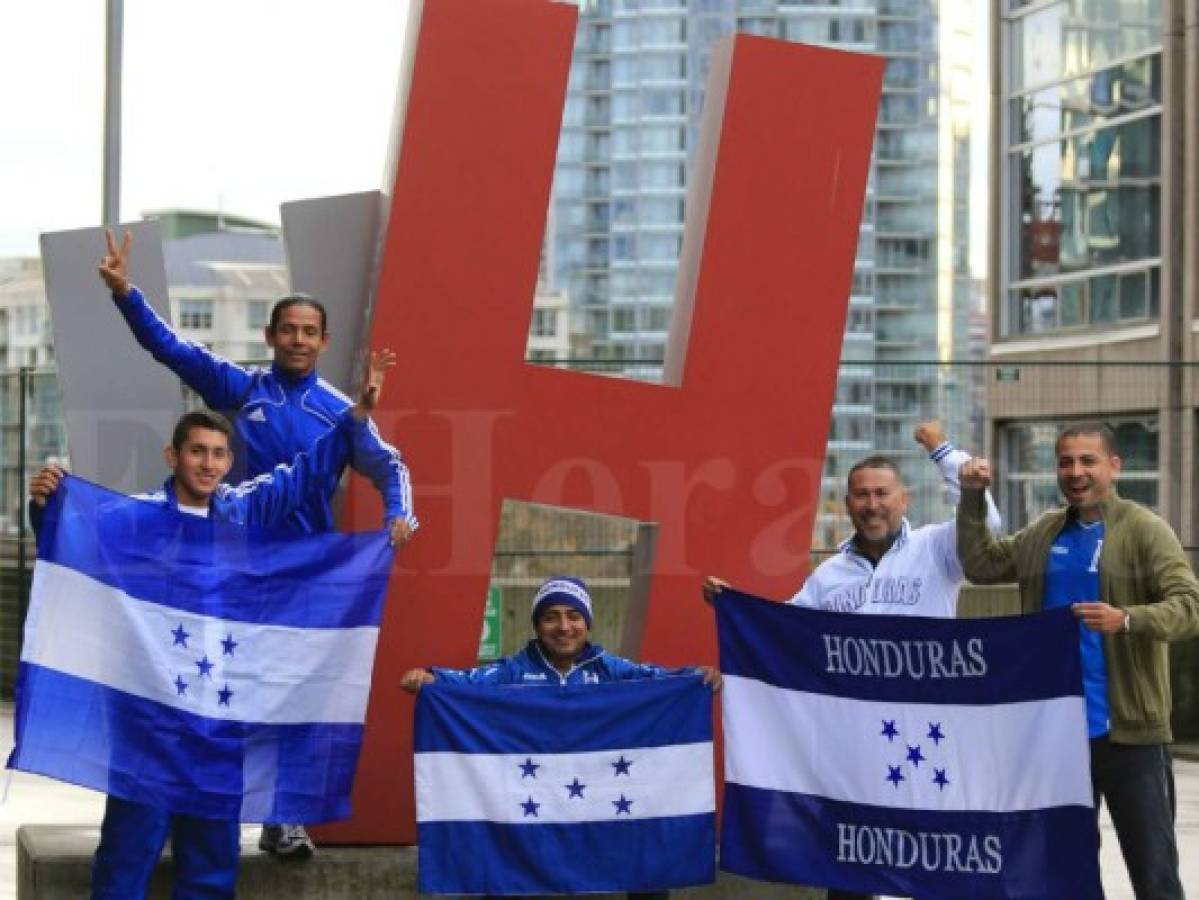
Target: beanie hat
[(567, 591)]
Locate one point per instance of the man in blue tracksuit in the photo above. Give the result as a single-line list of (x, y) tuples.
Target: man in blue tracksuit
[(278, 412), (133, 834), (560, 654)]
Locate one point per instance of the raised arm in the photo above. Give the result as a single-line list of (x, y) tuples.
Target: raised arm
[(381, 462), (985, 558), (948, 459), (221, 383)]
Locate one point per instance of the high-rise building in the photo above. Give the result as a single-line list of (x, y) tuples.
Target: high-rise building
[(1095, 243), (631, 123)]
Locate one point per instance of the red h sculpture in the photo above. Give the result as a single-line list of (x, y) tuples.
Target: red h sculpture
[(726, 456)]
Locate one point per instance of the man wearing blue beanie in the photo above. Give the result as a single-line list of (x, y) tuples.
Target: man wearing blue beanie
[(560, 652)]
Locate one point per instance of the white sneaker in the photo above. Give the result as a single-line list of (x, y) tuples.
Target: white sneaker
[(289, 841)]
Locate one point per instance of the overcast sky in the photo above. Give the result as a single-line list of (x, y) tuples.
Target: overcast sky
[(231, 104), (228, 104)]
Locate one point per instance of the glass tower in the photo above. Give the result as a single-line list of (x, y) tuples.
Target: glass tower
[(631, 123)]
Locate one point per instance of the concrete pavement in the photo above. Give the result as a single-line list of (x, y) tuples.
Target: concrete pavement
[(31, 799)]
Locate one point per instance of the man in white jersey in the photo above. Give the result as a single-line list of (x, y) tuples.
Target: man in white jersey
[(888, 567)]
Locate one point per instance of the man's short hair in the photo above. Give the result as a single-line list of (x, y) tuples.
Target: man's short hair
[(200, 418), (1107, 437), (297, 299), (878, 461)]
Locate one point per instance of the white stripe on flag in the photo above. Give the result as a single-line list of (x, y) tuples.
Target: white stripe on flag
[(674, 780), (995, 758), (277, 674)]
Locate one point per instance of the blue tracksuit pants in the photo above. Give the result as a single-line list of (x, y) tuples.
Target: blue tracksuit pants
[(205, 852)]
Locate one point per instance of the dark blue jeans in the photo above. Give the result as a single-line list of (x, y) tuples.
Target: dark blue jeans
[(1137, 781), (205, 852)]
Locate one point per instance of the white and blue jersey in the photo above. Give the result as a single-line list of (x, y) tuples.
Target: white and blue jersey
[(919, 575), (1072, 576), (277, 416), (530, 666)]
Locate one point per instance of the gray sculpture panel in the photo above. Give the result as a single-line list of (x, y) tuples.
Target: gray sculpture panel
[(119, 404), (332, 248)]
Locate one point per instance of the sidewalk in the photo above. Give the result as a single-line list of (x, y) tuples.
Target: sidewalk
[(32, 799)]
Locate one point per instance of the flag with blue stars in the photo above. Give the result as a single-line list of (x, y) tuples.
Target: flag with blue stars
[(565, 789), (196, 665), (906, 756)]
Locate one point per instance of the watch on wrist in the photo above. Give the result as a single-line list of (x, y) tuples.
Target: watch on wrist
[(1127, 623)]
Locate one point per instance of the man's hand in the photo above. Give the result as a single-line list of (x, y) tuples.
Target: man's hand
[(930, 435), (1101, 617), (414, 679), (114, 267), (712, 587), (975, 473), (378, 363), (45, 483), (712, 677), (398, 532)]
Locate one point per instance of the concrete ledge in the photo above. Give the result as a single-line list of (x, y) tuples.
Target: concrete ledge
[(54, 863)]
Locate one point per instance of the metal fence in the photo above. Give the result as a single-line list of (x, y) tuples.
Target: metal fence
[(877, 407)]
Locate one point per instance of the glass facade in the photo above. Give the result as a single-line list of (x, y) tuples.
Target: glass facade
[(633, 111), (1082, 246)]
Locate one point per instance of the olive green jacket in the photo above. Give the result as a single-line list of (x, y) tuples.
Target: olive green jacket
[(1142, 569)]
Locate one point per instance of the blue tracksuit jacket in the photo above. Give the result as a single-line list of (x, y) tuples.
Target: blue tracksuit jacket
[(269, 500), (530, 666), (277, 416)]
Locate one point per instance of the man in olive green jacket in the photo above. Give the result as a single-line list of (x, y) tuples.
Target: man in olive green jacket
[(1123, 572)]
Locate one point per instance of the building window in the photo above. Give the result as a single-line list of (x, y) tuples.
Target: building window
[(258, 313), (1027, 450), (545, 323), (195, 314)]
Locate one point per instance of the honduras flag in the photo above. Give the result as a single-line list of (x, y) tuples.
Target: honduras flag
[(526, 789), (194, 665), (919, 757)]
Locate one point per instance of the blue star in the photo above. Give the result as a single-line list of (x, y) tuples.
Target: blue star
[(181, 636), (204, 666), (915, 757), (528, 768), (180, 686), (621, 766), (576, 789), (530, 807), (623, 806), (940, 780), (896, 776), (934, 733), (223, 695), (890, 732), (228, 643)]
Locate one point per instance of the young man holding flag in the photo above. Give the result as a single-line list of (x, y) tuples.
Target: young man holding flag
[(278, 412), (199, 456)]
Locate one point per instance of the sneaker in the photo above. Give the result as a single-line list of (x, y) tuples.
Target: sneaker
[(289, 841)]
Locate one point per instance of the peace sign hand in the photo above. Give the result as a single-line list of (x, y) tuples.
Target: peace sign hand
[(114, 266)]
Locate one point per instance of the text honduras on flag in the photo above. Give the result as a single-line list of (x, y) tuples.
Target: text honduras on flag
[(902, 755), (194, 665), (534, 789)]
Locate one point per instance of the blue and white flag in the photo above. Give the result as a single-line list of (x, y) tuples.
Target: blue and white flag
[(525, 789), (909, 756), (195, 665)]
